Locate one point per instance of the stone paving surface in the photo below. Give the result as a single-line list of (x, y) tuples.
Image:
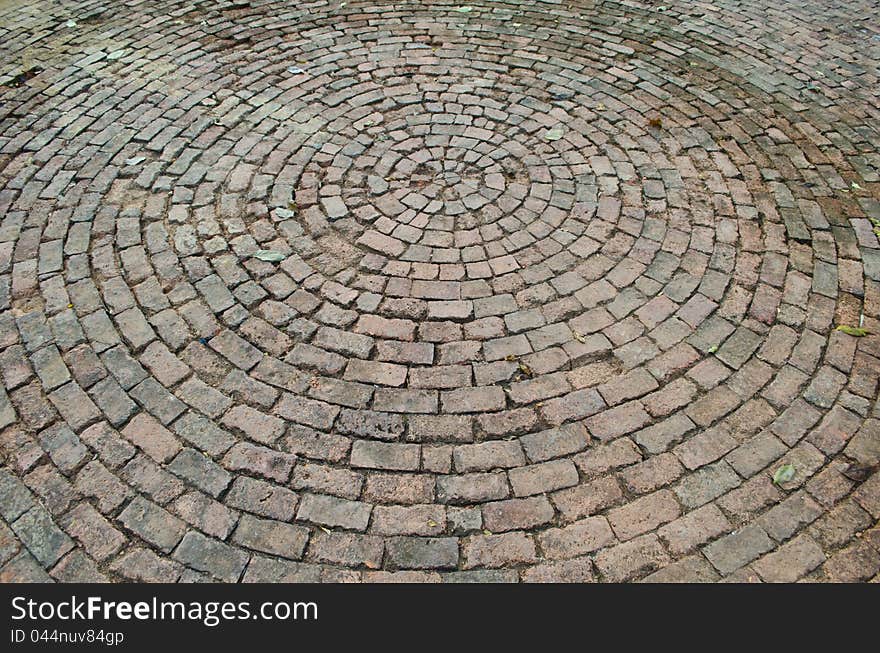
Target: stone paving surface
[(558, 294)]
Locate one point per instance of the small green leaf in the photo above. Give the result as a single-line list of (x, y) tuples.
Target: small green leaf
[(784, 474), (270, 255), (554, 134), (857, 332), (713, 349)]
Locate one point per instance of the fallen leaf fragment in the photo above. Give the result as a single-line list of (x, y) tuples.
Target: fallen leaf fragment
[(270, 255), (784, 474), (554, 134), (857, 332), (859, 473)]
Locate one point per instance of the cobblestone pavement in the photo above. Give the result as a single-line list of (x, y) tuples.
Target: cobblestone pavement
[(557, 298)]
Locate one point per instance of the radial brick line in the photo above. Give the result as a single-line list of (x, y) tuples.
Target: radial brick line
[(515, 291)]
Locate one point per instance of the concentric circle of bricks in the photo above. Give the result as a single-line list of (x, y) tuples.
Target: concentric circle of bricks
[(512, 291)]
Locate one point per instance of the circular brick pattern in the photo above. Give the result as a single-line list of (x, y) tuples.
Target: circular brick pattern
[(516, 292)]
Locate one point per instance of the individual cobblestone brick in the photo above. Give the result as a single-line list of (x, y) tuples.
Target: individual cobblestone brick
[(94, 480), (262, 569), (23, 568), (114, 404), (754, 455), (78, 410), (578, 538), (41, 535), (77, 567), (786, 518), (148, 434), (694, 529), (486, 456), (631, 559), (737, 549), (269, 536), (64, 448), (790, 562), (836, 527), (587, 498), (333, 511), (98, 537), (858, 562), (203, 397), (604, 457), (693, 569), (644, 514), (472, 400), (381, 455), (207, 515), (472, 488), (493, 551), (409, 520), (399, 488), (257, 426), (422, 553), (618, 421), (53, 489), (153, 524), (706, 484), (370, 424), (554, 443), (704, 447), (579, 570), (211, 556), (517, 514), (543, 477), (203, 434), (349, 549), (200, 471), (142, 565), (262, 498), (266, 462)]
